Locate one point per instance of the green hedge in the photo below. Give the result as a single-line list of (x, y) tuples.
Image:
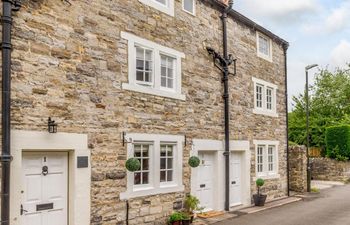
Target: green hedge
[(338, 142)]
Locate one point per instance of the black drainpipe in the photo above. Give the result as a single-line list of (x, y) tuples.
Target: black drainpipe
[(6, 157), (285, 48), (227, 107), (222, 62)]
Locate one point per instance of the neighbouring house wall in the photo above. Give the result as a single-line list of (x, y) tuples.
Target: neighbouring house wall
[(69, 63), (298, 166), (330, 170)]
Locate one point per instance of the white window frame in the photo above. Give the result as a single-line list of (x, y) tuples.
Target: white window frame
[(155, 186), (155, 88), (264, 110), (167, 9), (266, 174), (194, 8), (260, 54)]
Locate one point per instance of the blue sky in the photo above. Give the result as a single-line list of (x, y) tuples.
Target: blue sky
[(318, 32)]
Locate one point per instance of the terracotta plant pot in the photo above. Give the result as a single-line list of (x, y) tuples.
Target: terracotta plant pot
[(259, 200)]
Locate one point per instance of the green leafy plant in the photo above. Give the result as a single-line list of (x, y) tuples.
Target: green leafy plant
[(175, 216), (133, 164), (192, 204), (315, 190), (338, 142), (259, 183), (194, 161)]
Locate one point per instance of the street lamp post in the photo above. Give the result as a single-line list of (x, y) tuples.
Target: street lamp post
[(307, 68)]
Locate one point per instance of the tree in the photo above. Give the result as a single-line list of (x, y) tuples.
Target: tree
[(329, 106)]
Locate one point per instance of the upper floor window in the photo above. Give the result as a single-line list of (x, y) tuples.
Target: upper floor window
[(266, 158), (265, 100), (161, 164), (264, 46), (153, 69), (189, 6), (165, 6)]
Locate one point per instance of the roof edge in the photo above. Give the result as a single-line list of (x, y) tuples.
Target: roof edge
[(250, 23)]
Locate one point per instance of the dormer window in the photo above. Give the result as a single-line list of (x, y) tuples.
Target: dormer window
[(165, 6)]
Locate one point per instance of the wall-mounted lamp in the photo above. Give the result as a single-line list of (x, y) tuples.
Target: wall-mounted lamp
[(51, 126)]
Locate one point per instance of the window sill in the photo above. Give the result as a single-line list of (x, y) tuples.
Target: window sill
[(151, 91), (265, 112), (267, 177), (150, 191), (265, 57), (165, 9)]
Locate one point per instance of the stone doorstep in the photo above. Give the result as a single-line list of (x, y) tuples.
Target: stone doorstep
[(248, 210)]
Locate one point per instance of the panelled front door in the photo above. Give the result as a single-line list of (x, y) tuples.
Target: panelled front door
[(44, 196), (205, 177), (236, 177)]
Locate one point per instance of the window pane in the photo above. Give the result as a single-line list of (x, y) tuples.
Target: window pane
[(170, 175), (163, 71), (264, 46), (139, 75), (170, 151), (163, 163), (137, 178), (167, 71), (170, 163), (145, 178), (188, 5), (139, 64), (170, 83), (162, 151), (163, 2), (148, 55), (145, 149), (162, 176), (148, 65), (140, 53), (145, 164), (259, 93), (137, 150), (148, 77), (163, 61)]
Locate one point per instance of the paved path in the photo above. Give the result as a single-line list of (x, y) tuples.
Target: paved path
[(330, 207)]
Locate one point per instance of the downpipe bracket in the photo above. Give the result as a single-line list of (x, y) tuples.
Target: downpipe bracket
[(6, 158)]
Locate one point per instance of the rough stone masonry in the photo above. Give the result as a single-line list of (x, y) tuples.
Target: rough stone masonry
[(69, 63)]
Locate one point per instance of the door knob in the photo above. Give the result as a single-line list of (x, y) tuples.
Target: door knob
[(23, 210), (233, 182)]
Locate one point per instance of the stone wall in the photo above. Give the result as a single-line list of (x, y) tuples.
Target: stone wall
[(330, 170), (69, 63), (298, 166)]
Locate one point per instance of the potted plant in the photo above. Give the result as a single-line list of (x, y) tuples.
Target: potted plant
[(259, 199), (191, 205), (186, 219), (175, 218)]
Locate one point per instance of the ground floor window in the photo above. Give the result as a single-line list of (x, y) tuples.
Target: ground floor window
[(266, 158), (161, 164)]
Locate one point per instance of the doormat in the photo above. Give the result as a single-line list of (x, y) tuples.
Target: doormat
[(210, 214)]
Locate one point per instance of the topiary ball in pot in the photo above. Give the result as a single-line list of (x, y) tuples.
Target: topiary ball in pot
[(194, 161), (133, 164)]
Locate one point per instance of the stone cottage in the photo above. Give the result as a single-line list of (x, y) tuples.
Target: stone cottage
[(132, 78)]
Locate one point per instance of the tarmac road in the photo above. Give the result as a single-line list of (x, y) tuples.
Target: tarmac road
[(330, 207)]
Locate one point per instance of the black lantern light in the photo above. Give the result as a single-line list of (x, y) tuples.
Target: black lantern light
[(51, 126)]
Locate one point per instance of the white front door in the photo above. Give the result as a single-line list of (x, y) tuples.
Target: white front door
[(44, 196), (236, 179), (205, 179)]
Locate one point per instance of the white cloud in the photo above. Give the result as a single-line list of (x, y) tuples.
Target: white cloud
[(340, 55), (334, 21), (280, 11)]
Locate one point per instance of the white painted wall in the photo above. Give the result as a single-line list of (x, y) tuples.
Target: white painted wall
[(79, 179)]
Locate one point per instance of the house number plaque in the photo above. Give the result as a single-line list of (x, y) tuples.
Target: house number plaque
[(83, 162)]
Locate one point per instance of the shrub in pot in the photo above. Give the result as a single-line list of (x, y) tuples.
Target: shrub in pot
[(191, 205), (259, 199), (133, 164), (194, 161), (186, 219), (175, 218)]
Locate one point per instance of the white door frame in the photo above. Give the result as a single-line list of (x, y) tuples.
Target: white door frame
[(219, 168), (79, 179)]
